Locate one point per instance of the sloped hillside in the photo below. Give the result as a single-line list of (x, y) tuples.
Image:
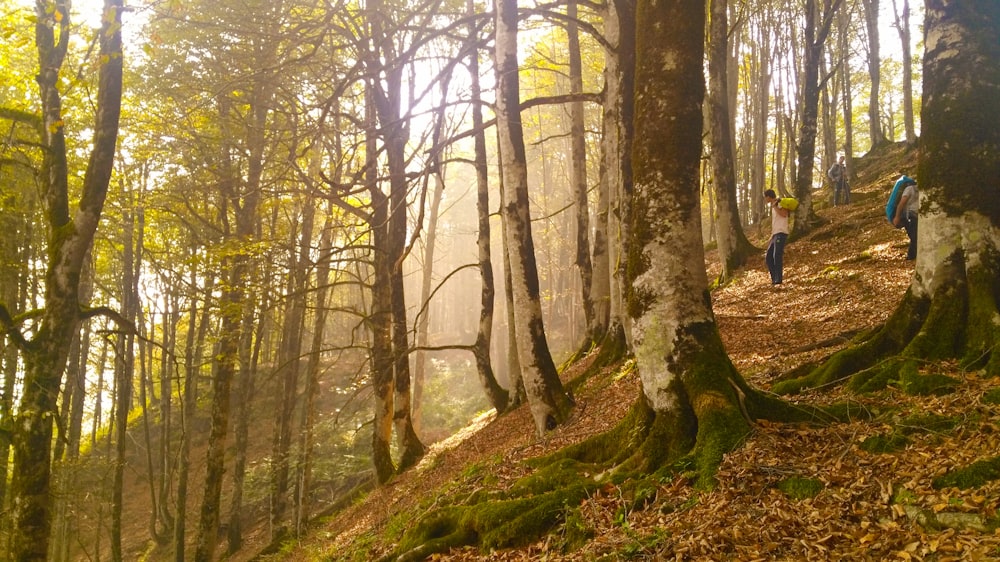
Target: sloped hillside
[(864, 490)]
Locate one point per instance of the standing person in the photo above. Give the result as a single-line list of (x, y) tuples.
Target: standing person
[(779, 235), (906, 216), (841, 188)]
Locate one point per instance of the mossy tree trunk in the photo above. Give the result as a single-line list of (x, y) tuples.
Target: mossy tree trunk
[(687, 378), (70, 236), (694, 406), (550, 404), (950, 308)]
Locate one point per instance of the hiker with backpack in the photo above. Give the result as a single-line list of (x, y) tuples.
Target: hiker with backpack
[(906, 212), (774, 258), (841, 188)]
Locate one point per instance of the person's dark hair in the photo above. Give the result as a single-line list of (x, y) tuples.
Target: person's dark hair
[(770, 193)]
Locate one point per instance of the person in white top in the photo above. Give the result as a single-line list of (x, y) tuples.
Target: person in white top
[(779, 235)]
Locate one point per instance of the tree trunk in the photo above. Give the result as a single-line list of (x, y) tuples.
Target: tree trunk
[(578, 176), (845, 91), (387, 66), (303, 481), (696, 403), (289, 352), (549, 403), (380, 318), (948, 311), (197, 332), (903, 27), (875, 132), (815, 36), (499, 397), (615, 168), (70, 239), (734, 248), (762, 104), (426, 285), (124, 377), (233, 304)]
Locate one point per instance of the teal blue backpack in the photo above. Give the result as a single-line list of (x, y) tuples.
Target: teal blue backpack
[(894, 196)]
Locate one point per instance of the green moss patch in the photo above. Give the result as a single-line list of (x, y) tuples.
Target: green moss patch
[(916, 384), (885, 443), (799, 488), (992, 396), (972, 476)]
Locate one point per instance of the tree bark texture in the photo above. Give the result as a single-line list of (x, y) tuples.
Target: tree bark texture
[(875, 132), (548, 401), (816, 33), (498, 396), (578, 174), (734, 248), (69, 239)]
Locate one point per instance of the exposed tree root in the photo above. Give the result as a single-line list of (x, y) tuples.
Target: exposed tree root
[(959, 323), (642, 448)]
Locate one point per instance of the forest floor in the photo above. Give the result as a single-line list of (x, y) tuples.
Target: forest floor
[(845, 277)]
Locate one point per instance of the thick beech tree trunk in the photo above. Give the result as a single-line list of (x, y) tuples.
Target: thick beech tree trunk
[(677, 346), (950, 308), (550, 404)]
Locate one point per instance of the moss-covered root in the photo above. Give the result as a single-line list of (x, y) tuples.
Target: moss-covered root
[(491, 525), (983, 331), (972, 476), (892, 339), (611, 447)]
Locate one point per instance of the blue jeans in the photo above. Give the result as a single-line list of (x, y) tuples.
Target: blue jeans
[(775, 256), (910, 224)]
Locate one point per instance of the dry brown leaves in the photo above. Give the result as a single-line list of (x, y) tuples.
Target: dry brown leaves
[(844, 278)]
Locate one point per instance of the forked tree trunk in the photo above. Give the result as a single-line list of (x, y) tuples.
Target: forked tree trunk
[(816, 33), (550, 404), (950, 308), (70, 237)]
